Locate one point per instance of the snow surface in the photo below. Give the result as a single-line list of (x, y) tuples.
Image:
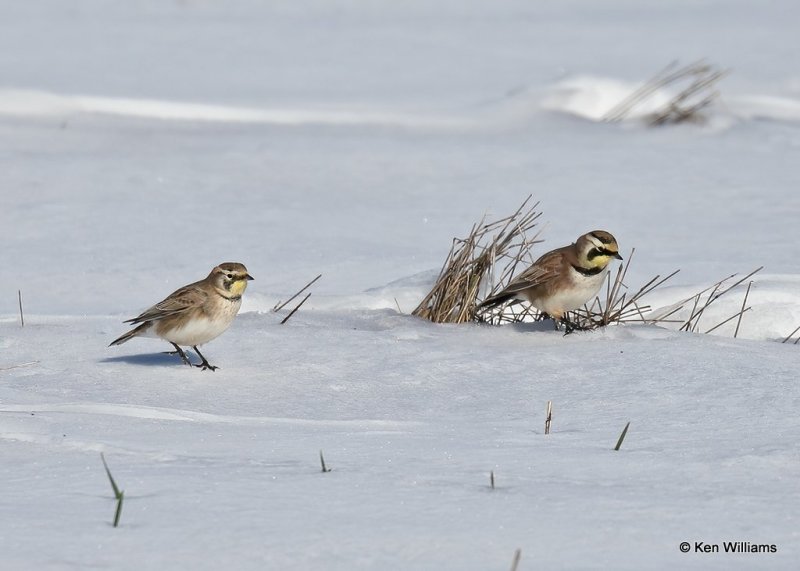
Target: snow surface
[(143, 143)]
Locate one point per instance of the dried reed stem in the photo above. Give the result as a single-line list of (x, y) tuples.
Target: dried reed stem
[(21, 314), (549, 417), (741, 312), (662, 78), (325, 469), (279, 305), (292, 312), (717, 291), (619, 306), (702, 79), (731, 318), (792, 335)]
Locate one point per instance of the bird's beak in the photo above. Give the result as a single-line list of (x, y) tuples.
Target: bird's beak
[(617, 256), (249, 277)]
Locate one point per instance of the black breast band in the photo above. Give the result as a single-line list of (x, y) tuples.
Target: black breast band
[(587, 272)]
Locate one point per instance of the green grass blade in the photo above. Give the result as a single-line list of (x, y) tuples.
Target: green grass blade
[(114, 486), (118, 513), (622, 436)]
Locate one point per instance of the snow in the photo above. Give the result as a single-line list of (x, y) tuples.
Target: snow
[(143, 143)]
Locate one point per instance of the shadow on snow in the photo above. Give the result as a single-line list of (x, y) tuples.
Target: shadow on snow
[(152, 359)]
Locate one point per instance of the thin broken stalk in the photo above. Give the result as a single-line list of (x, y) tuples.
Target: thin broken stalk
[(620, 306), (792, 335), (549, 417), (118, 511), (280, 305), (731, 318), (325, 469), (744, 302), (717, 291), (292, 312)]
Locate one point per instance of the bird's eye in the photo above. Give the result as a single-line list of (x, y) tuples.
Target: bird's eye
[(230, 276)]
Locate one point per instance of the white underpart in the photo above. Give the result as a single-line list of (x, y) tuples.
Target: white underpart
[(202, 330), (582, 289)]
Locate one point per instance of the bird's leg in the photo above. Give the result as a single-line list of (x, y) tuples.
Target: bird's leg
[(205, 364), (179, 351), (570, 327), (559, 320)]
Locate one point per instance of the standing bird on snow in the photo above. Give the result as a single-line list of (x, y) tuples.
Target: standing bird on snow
[(195, 314), (564, 279)]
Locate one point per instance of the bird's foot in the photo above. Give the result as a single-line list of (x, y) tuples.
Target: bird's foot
[(181, 352), (570, 327), (205, 364)]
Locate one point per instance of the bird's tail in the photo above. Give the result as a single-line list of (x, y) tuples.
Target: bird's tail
[(495, 300), (131, 334)]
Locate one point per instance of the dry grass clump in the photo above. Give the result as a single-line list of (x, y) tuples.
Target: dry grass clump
[(697, 90), (705, 298), (619, 307), (502, 247), (472, 261), (620, 304)]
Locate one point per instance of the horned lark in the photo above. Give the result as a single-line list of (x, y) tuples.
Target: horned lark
[(196, 313), (563, 279)]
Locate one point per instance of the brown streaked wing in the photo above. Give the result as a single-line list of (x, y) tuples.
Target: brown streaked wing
[(179, 301), (542, 271)]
